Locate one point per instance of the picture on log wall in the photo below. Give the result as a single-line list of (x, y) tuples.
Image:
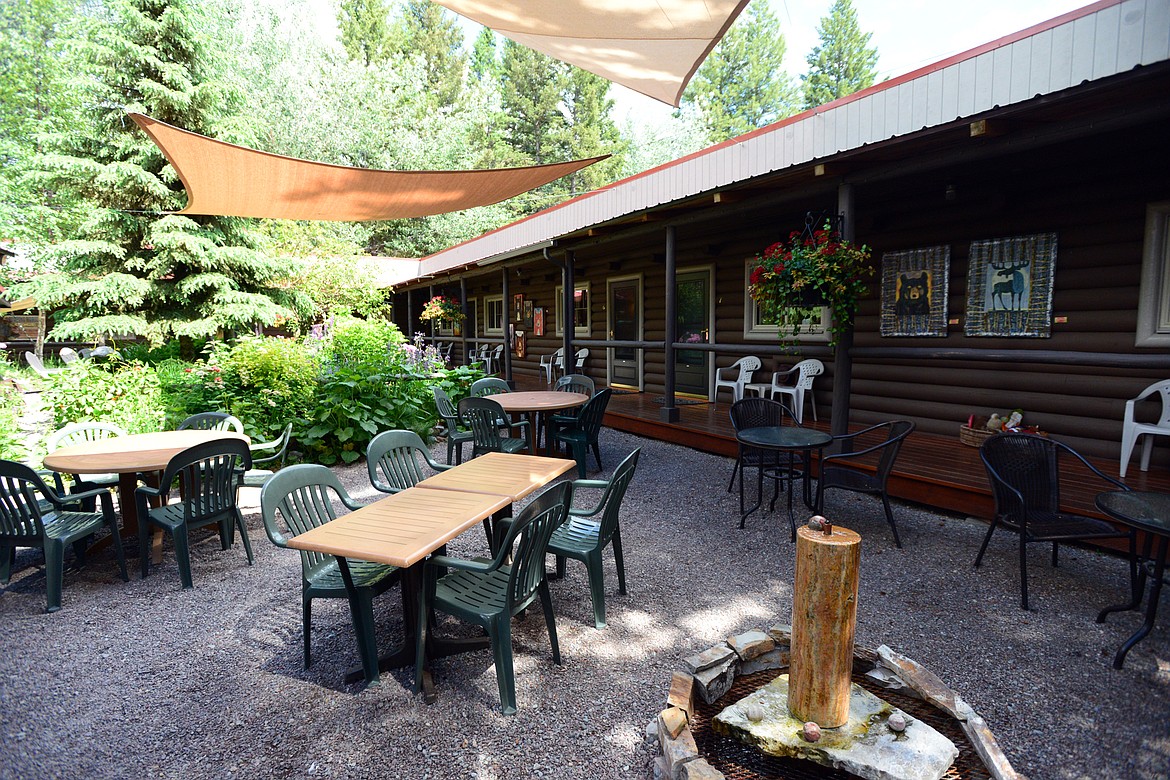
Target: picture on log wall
[(1009, 286), (914, 291)]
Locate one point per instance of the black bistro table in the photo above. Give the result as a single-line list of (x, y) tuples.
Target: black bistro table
[(782, 439), (1149, 512)]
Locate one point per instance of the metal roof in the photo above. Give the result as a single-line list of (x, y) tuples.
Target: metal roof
[(1100, 40)]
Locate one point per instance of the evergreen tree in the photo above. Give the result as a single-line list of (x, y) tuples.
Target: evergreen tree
[(133, 269), (742, 84), (36, 96), (428, 31), (532, 86), (589, 130), (484, 64), (365, 30), (843, 63)]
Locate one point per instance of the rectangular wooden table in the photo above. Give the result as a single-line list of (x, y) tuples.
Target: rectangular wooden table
[(400, 530)]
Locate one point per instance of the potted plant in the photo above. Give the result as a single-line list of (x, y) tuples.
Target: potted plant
[(812, 269), (442, 309)]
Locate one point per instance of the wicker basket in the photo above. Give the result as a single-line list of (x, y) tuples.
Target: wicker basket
[(973, 437)]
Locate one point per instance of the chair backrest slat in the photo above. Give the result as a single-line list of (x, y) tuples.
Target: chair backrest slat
[(485, 417), (489, 386), (528, 538), (622, 476), (759, 413), (393, 460), (211, 421), (20, 515), (303, 497), (576, 383)]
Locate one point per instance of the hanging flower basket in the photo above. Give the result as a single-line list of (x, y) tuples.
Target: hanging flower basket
[(442, 309), (811, 270)]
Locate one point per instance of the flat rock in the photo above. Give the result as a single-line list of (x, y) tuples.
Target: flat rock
[(712, 656), (769, 661), (714, 682), (865, 746), (750, 644), (700, 770), (673, 720)]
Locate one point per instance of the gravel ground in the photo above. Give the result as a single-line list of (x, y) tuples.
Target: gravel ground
[(142, 679)]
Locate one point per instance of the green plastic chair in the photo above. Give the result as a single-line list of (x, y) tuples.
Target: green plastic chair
[(208, 476), (573, 383), (580, 433), (490, 385), (297, 499), (255, 477), (24, 523), (212, 421), (490, 593), (81, 433), (393, 460), (451, 425), (583, 539), (486, 417)]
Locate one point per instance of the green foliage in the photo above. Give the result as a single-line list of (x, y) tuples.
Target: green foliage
[(115, 391), (362, 342), (266, 382), (340, 286), (365, 30), (428, 31), (742, 85), (484, 64), (843, 63), (13, 442)]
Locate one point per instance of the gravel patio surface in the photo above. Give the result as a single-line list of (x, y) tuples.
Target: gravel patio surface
[(142, 679)]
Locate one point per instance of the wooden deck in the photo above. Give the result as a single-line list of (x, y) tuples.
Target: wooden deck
[(933, 470)]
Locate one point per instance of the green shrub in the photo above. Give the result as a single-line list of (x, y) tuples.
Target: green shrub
[(268, 382), (369, 342), (125, 393), (13, 444)]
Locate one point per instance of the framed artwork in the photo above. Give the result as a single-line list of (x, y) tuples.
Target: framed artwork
[(538, 321), (518, 305), (914, 292), (1009, 286), (529, 313)]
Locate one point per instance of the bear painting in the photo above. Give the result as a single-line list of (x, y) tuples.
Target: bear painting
[(913, 295)]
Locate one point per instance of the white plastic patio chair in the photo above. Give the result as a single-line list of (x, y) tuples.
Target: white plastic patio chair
[(1132, 430), (37, 365), (735, 376), (551, 363), (805, 371)]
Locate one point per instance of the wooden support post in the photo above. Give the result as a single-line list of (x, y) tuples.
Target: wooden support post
[(824, 615)]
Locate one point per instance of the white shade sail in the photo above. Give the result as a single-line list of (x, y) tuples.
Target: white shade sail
[(650, 46)]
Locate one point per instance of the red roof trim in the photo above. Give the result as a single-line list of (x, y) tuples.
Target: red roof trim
[(888, 84)]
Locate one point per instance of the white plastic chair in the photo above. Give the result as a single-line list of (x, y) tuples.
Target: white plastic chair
[(81, 433), (735, 376), (805, 371), (579, 357), (35, 364), (497, 359), (68, 356), (551, 363), (1131, 429)]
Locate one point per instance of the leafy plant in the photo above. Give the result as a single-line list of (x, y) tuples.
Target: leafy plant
[(116, 391), (440, 308), (812, 269), (13, 444)]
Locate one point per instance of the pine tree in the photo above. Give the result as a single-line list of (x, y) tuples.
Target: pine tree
[(484, 64), (133, 269), (742, 84), (427, 30), (365, 30), (590, 130), (843, 63)]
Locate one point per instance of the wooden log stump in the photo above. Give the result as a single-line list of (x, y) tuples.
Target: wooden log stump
[(824, 615)]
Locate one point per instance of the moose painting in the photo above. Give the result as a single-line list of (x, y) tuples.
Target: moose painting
[(1009, 286), (914, 292)]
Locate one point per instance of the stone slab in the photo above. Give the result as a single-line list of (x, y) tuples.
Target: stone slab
[(768, 662), (714, 682), (750, 644), (678, 751), (711, 657), (682, 692), (865, 746), (673, 720), (700, 770)]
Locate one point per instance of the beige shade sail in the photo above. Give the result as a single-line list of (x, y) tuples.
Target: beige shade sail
[(650, 46), (229, 180)]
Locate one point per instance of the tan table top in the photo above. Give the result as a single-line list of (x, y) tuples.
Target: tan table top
[(538, 400), (136, 452), (500, 474), (401, 529)]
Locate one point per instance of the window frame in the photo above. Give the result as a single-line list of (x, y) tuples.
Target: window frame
[(754, 330), (558, 297), (1153, 320), (488, 302)]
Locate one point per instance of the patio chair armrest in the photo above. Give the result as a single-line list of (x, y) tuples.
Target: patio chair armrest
[(460, 563), (91, 493), (152, 492)]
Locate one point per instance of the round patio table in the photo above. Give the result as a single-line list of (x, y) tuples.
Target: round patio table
[(128, 456), (790, 439), (534, 402), (1149, 512)]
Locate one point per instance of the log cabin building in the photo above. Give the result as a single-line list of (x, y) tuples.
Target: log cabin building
[(1059, 130)]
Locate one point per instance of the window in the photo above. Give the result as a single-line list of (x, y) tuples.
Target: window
[(493, 314), (582, 322), (1153, 323), (814, 327)]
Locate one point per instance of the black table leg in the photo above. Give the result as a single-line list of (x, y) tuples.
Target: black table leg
[(367, 648), (1151, 605)]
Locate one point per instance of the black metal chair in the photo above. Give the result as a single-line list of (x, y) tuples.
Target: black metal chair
[(1024, 471), (841, 470)]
